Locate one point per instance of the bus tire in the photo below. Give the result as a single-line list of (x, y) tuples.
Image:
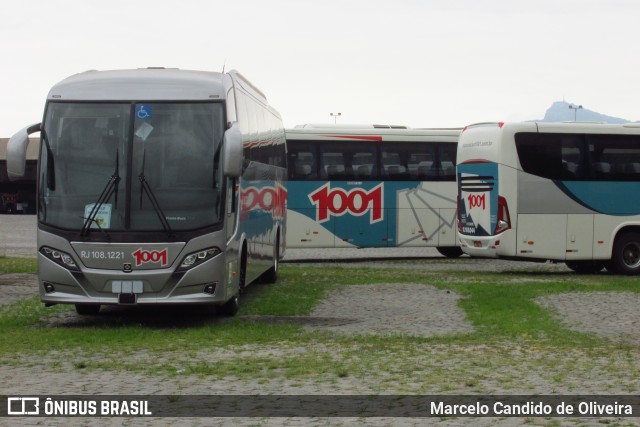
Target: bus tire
[(626, 253), (450, 251), (87, 309), (271, 275), (242, 279), (585, 266), (230, 308)]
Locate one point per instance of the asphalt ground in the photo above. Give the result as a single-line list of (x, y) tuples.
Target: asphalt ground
[(18, 236)]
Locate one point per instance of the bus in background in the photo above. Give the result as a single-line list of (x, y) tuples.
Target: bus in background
[(20, 193), (156, 186), (375, 186), (551, 191)]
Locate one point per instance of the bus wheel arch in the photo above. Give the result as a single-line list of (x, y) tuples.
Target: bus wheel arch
[(242, 272), (231, 307), (625, 257), (271, 275)]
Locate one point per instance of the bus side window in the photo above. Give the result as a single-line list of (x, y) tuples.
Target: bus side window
[(332, 165), (348, 160), (615, 157), (301, 162), (362, 166), (447, 154), (552, 156)]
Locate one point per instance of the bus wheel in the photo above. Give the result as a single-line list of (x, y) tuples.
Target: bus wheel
[(626, 253), (230, 308), (585, 267), (450, 251), (87, 309)]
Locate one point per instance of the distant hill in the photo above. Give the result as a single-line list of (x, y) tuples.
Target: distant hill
[(560, 112)]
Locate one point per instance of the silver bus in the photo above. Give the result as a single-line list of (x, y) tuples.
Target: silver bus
[(156, 186)]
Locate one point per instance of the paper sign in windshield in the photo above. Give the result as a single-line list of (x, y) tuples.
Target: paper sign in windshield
[(102, 218)]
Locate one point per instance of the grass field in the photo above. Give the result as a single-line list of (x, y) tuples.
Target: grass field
[(18, 265), (516, 345)]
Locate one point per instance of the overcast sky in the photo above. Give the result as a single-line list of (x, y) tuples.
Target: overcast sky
[(420, 63)]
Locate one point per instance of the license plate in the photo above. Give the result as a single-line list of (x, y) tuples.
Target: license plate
[(477, 243), (126, 286)]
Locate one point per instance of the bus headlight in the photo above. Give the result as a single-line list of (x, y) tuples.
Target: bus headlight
[(59, 257), (197, 258)]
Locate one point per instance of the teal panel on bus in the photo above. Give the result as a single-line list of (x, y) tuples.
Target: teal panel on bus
[(606, 197), (478, 194), (369, 213)]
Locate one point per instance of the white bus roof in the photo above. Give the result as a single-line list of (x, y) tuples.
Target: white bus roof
[(347, 126), (309, 133), (147, 84), (576, 127)]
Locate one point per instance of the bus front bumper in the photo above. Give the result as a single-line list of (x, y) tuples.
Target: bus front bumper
[(108, 287)]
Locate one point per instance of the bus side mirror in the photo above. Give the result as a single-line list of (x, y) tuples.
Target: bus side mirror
[(232, 151), (17, 152)]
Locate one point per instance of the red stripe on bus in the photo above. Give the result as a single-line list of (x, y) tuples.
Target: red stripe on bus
[(362, 137), (475, 161)]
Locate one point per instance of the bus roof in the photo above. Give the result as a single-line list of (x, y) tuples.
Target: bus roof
[(147, 84), (578, 127), (347, 126), (349, 131)]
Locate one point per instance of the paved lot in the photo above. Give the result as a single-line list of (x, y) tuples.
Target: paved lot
[(18, 235)]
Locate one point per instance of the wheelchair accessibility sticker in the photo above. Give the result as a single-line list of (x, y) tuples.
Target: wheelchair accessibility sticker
[(144, 111)]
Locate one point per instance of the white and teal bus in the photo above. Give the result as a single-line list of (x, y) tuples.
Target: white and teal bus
[(551, 191), (156, 186), (372, 186)]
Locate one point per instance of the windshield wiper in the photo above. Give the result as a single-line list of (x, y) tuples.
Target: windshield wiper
[(97, 223), (110, 189), (146, 188)]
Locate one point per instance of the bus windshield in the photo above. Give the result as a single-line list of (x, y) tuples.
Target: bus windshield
[(160, 163)]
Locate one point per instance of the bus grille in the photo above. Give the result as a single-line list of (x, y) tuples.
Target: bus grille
[(477, 184)]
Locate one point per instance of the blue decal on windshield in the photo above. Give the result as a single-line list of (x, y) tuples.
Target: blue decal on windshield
[(144, 111)]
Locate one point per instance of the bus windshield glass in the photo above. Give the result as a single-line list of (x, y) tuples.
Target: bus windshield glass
[(159, 164)]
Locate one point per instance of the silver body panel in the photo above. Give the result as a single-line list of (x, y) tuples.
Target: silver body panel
[(93, 285)]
